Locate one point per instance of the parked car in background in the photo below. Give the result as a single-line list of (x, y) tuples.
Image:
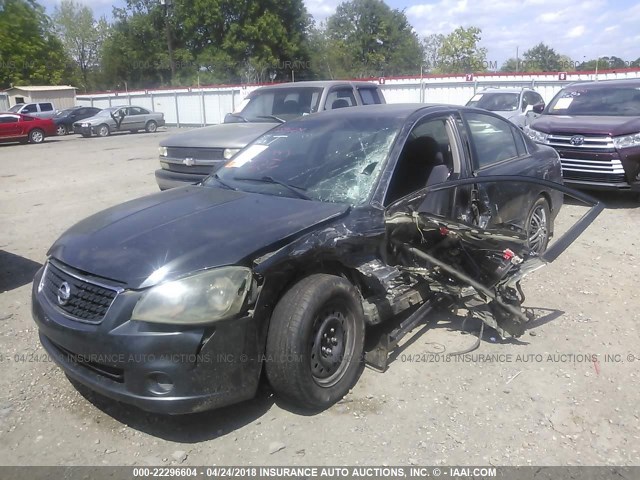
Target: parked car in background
[(65, 119), (520, 105), (22, 128), (189, 157), (319, 229), (37, 109), (119, 119), (595, 128)]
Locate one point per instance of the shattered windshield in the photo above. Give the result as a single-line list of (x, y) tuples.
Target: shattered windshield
[(610, 101), (327, 159), (284, 104), (495, 102)]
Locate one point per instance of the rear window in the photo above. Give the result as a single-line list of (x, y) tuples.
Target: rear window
[(601, 101), (369, 96), (46, 107)]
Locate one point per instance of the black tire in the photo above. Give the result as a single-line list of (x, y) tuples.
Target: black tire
[(151, 126), (36, 136), (103, 130), (319, 312), (61, 130), (539, 226)]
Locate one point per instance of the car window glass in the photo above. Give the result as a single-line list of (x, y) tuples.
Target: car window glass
[(46, 107), (369, 96), (31, 108), (426, 152), (520, 145), (8, 119), (492, 138), (135, 111), (340, 98)]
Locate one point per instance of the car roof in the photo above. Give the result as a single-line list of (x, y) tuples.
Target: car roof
[(402, 110), (625, 82), (506, 90), (317, 84)]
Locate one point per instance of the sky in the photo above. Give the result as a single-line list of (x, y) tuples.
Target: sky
[(581, 30)]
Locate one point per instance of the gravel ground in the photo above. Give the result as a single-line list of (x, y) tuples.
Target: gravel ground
[(538, 400)]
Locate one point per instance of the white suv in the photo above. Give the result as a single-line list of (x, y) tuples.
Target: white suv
[(520, 105)]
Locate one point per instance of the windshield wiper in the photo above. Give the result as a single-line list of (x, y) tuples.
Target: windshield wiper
[(219, 180), (273, 117), (267, 179)]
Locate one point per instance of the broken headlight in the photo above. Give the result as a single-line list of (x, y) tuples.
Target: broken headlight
[(536, 135), (201, 298), (627, 141)]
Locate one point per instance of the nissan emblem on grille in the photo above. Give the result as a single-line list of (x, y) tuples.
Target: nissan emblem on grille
[(64, 293), (577, 140)]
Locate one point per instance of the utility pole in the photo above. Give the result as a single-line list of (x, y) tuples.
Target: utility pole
[(517, 59), (167, 26)]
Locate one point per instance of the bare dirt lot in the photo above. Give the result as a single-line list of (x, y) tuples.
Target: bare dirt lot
[(538, 400)]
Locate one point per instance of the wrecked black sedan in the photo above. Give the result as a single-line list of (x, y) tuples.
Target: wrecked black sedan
[(280, 262)]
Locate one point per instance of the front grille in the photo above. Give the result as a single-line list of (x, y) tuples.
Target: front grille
[(194, 169), (195, 153), (602, 171), (87, 301), (588, 142)]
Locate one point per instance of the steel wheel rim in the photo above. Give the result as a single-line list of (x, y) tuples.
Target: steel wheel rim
[(61, 130), (538, 229), (333, 329), (37, 137)]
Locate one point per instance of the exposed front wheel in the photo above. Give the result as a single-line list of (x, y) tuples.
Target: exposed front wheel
[(61, 130), (539, 226), (151, 126), (315, 341), (36, 136), (103, 130)]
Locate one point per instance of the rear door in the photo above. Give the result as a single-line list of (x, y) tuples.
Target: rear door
[(498, 148), (479, 268)]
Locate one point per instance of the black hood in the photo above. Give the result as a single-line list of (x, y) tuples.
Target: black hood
[(184, 230), (587, 125)]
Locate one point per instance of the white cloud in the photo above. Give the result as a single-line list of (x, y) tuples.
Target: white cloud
[(573, 28), (576, 32)]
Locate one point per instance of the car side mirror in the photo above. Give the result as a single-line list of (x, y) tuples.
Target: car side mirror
[(538, 107)]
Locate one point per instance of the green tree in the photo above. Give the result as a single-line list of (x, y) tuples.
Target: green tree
[(512, 65), (248, 41), (431, 45), (604, 63), (30, 53), (367, 38), (542, 58), (135, 52), (82, 36), (460, 52)]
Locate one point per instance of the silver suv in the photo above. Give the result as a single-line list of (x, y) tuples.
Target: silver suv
[(520, 105), (38, 109)]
